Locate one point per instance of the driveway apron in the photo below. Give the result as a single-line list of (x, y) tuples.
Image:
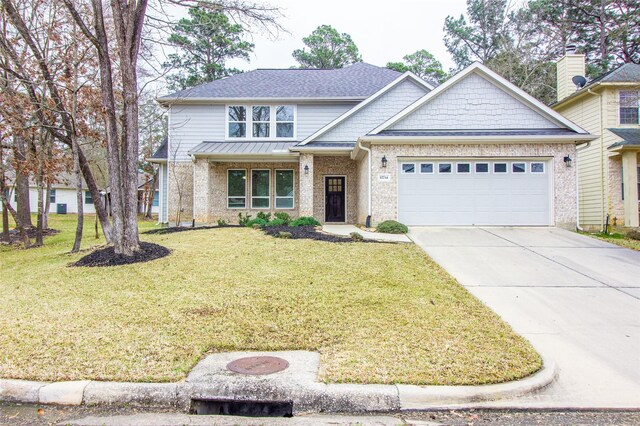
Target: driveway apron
[(575, 298)]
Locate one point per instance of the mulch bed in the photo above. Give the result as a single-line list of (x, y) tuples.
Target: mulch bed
[(172, 229), (14, 235), (308, 232), (108, 257)]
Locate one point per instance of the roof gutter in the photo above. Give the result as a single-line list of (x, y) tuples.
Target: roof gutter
[(375, 139)]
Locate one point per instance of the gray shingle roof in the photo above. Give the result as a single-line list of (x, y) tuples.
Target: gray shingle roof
[(629, 137), (242, 148), (359, 80), (161, 153), (479, 132)]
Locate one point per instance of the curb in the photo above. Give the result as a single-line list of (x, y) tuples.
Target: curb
[(306, 397)]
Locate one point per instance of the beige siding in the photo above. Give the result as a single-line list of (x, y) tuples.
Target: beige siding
[(568, 67), (586, 113)]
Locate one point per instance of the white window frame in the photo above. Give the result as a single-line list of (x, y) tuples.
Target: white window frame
[(245, 189), (446, 173), (433, 169), (620, 106), (275, 190), (524, 163), (475, 168), (408, 173), (463, 173), (272, 122), (544, 167), (506, 168), (268, 122), (275, 118), (52, 192), (268, 196), (247, 129)]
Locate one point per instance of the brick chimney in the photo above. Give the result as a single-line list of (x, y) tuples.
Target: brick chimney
[(570, 65)]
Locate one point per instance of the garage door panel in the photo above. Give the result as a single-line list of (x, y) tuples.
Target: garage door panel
[(474, 198)]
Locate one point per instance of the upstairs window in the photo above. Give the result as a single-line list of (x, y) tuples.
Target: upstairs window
[(261, 121), (237, 122), (629, 104)]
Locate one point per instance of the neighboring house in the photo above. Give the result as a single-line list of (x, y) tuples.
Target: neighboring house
[(63, 198), (366, 144), (608, 176)]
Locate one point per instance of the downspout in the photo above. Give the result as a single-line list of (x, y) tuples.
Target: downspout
[(601, 158), (368, 151), (581, 147), (193, 191)]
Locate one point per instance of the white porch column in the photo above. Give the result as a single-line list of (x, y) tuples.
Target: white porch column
[(305, 204), (201, 190), (630, 183)]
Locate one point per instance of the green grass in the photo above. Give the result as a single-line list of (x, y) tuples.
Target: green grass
[(616, 238), (377, 313)]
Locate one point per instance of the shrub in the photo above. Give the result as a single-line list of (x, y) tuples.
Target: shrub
[(222, 222), (392, 227), (257, 221), (356, 236), (283, 216), (305, 221), (284, 234), (243, 220), (264, 216), (634, 234), (276, 222)]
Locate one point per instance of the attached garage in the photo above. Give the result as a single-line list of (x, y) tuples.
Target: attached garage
[(475, 191)]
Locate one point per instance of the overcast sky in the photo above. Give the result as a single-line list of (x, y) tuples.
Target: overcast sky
[(384, 31)]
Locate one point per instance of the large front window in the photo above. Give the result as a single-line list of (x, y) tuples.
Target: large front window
[(261, 121), (260, 189), (629, 105), (284, 189), (237, 189)]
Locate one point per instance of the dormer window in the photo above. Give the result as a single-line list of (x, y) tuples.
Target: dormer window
[(261, 121), (629, 105)]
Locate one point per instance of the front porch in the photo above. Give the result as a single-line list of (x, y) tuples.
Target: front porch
[(624, 187), (322, 186)]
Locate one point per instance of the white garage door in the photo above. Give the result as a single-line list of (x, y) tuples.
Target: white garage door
[(490, 192)]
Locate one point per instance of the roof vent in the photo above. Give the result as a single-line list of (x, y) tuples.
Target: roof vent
[(579, 81)]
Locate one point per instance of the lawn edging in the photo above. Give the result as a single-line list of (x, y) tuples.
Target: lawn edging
[(307, 395)]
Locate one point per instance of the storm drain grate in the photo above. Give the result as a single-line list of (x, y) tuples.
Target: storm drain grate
[(230, 407)]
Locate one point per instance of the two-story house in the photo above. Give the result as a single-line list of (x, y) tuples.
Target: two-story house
[(607, 106), (366, 144)]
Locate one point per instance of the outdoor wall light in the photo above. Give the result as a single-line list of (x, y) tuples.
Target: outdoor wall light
[(384, 161), (306, 169), (567, 161)]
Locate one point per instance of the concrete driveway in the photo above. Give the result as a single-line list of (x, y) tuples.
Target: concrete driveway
[(576, 299)]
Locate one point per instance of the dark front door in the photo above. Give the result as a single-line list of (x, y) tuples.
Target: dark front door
[(334, 208)]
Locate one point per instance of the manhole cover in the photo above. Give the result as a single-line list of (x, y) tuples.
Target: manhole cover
[(258, 365)]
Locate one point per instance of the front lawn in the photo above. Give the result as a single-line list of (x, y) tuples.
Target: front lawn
[(617, 238), (377, 313)]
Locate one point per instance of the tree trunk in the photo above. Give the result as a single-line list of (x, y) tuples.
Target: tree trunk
[(47, 206), (99, 202), (151, 197), (78, 177), (23, 207), (40, 187), (5, 212), (19, 225)]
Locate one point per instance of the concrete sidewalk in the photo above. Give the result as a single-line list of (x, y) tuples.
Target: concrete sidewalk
[(345, 230), (574, 297)]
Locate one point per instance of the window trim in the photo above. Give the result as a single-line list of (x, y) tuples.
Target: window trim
[(88, 193), (275, 190), (620, 106), (52, 196), (544, 167), (408, 173), (272, 122), (475, 168), (433, 169), (245, 190), (524, 163), (445, 173), (254, 122), (506, 167), (268, 196), (463, 173)]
